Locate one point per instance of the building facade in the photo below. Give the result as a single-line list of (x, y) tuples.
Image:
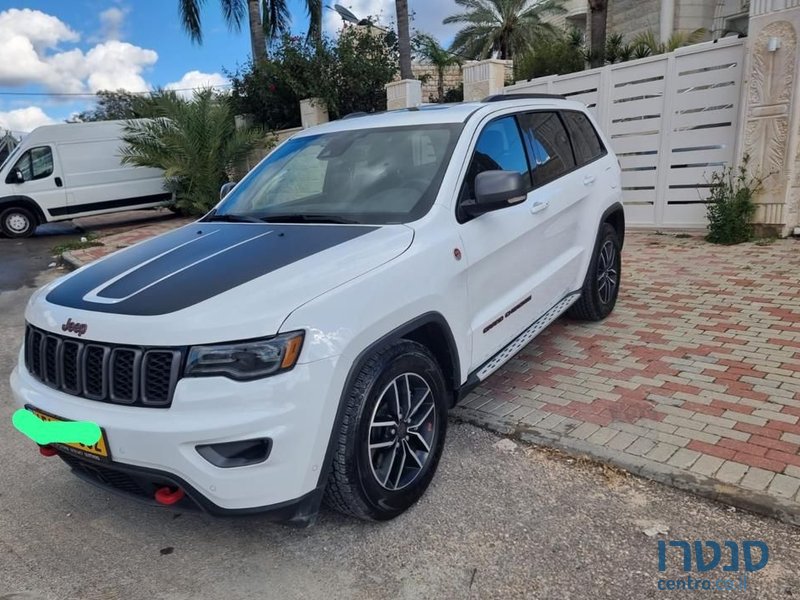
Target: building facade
[(664, 17)]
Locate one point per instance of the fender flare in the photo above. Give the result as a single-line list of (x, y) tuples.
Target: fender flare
[(615, 209), (397, 333), (24, 201)]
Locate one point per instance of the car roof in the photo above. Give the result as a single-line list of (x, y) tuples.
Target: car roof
[(434, 114)]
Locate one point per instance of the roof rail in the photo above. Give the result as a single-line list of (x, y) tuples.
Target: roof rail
[(501, 97), (354, 115)]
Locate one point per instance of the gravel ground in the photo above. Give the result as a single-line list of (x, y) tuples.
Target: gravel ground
[(496, 523)]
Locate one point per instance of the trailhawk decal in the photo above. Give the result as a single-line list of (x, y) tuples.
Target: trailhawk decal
[(192, 264)]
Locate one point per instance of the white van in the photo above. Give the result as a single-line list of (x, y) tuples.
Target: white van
[(61, 172)]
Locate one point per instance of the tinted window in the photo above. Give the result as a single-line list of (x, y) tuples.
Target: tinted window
[(499, 148), (36, 163), (548, 146), (588, 146)]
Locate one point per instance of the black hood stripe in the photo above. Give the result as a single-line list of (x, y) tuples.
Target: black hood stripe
[(194, 263)]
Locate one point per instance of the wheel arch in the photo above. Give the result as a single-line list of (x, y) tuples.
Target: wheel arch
[(423, 327), (614, 215), (23, 202)]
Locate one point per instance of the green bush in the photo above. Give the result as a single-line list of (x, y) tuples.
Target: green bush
[(730, 207), (348, 74), (559, 54)]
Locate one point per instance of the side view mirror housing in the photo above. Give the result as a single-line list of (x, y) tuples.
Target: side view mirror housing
[(225, 189), (15, 176), (495, 190)]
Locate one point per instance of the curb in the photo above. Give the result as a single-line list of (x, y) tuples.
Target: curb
[(68, 261), (782, 509)]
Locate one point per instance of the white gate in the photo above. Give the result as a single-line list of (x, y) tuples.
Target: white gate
[(692, 95)]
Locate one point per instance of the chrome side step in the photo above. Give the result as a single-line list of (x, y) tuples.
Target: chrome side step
[(522, 340)]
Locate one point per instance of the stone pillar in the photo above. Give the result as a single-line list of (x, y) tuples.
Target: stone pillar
[(406, 93), (484, 78), (770, 128), (313, 112)]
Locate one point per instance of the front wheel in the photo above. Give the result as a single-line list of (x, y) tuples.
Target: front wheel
[(601, 286), (17, 222), (391, 435)]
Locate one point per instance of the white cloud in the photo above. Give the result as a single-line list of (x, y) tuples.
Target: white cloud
[(24, 119), (196, 80), (29, 42), (111, 22)]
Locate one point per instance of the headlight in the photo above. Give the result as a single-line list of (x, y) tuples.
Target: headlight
[(246, 360)]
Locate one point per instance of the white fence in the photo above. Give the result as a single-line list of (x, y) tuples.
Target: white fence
[(692, 95)]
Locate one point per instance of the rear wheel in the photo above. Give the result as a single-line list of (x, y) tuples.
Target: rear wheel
[(391, 435), (601, 286), (17, 222)]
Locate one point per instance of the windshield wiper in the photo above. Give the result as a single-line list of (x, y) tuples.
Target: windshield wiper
[(232, 219), (307, 218)]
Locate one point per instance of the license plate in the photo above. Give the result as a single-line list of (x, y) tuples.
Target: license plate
[(98, 451)]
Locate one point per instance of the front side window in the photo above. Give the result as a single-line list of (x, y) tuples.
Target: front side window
[(548, 146), (499, 148), (588, 146), (377, 176), (36, 163)]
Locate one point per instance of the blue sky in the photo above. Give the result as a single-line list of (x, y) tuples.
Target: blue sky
[(81, 46)]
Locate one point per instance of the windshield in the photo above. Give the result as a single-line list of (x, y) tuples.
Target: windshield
[(11, 156), (377, 176)]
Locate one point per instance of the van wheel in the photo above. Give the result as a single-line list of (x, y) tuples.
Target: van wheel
[(391, 435), (17, 222), (601, 287)]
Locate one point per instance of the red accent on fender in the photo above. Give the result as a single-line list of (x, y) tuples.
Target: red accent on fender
[(47, 451), (166, 496)]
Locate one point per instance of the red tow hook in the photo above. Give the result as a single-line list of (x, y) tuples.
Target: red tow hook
[(47, 451), (167, 496)]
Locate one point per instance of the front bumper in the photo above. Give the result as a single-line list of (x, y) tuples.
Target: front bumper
[(294, 409)]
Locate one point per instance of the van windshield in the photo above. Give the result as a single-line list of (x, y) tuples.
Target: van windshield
[(11, 156), (377, 176)]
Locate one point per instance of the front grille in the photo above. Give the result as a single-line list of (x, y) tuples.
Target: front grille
[(103, 372)]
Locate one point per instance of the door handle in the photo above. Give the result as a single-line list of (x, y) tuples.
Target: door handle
[(59, 183), (539, 206), (589, 180)]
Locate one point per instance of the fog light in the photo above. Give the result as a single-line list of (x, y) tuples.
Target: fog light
[(236, 454)]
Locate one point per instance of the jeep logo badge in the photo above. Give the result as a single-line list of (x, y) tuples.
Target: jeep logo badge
[(77, 328)]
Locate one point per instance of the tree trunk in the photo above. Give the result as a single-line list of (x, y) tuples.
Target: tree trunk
[(258, 41), (598, 15), (440, 85), (404, 39)]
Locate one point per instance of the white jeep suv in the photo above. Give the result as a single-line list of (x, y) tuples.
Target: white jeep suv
[(304, 340)]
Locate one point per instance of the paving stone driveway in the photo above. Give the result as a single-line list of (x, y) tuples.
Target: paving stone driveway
[(694, 380)]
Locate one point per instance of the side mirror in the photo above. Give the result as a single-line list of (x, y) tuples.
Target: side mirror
[(225, 189), (16, 176), (495, 190)]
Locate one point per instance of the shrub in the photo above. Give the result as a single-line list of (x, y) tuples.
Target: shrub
[(730, 207), (349, 75), (194, 142), (557, 55)]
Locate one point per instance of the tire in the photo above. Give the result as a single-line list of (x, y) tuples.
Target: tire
[(365, 481), (18, 222), (601, 286)]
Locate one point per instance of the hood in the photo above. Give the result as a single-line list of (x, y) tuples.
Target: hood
[(209, 282)]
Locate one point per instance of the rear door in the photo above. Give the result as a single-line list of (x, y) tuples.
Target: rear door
[(42, 183)]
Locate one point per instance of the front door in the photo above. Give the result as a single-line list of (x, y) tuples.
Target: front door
[(41, 178)]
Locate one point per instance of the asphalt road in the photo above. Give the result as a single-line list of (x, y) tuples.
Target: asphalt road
[(519, 523)]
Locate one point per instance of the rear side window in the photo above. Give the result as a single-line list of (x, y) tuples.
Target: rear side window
[(499, 148), (588, 146), (548, 146), (36, 163)]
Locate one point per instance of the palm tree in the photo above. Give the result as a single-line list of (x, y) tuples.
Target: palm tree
[(502, 27), (193, 141), (598, 15), (268, 19), (649, 41), (403, 39), (432, 52)]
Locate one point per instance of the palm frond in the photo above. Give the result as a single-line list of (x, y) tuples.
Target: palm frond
[(234, 12), (189, 11)]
